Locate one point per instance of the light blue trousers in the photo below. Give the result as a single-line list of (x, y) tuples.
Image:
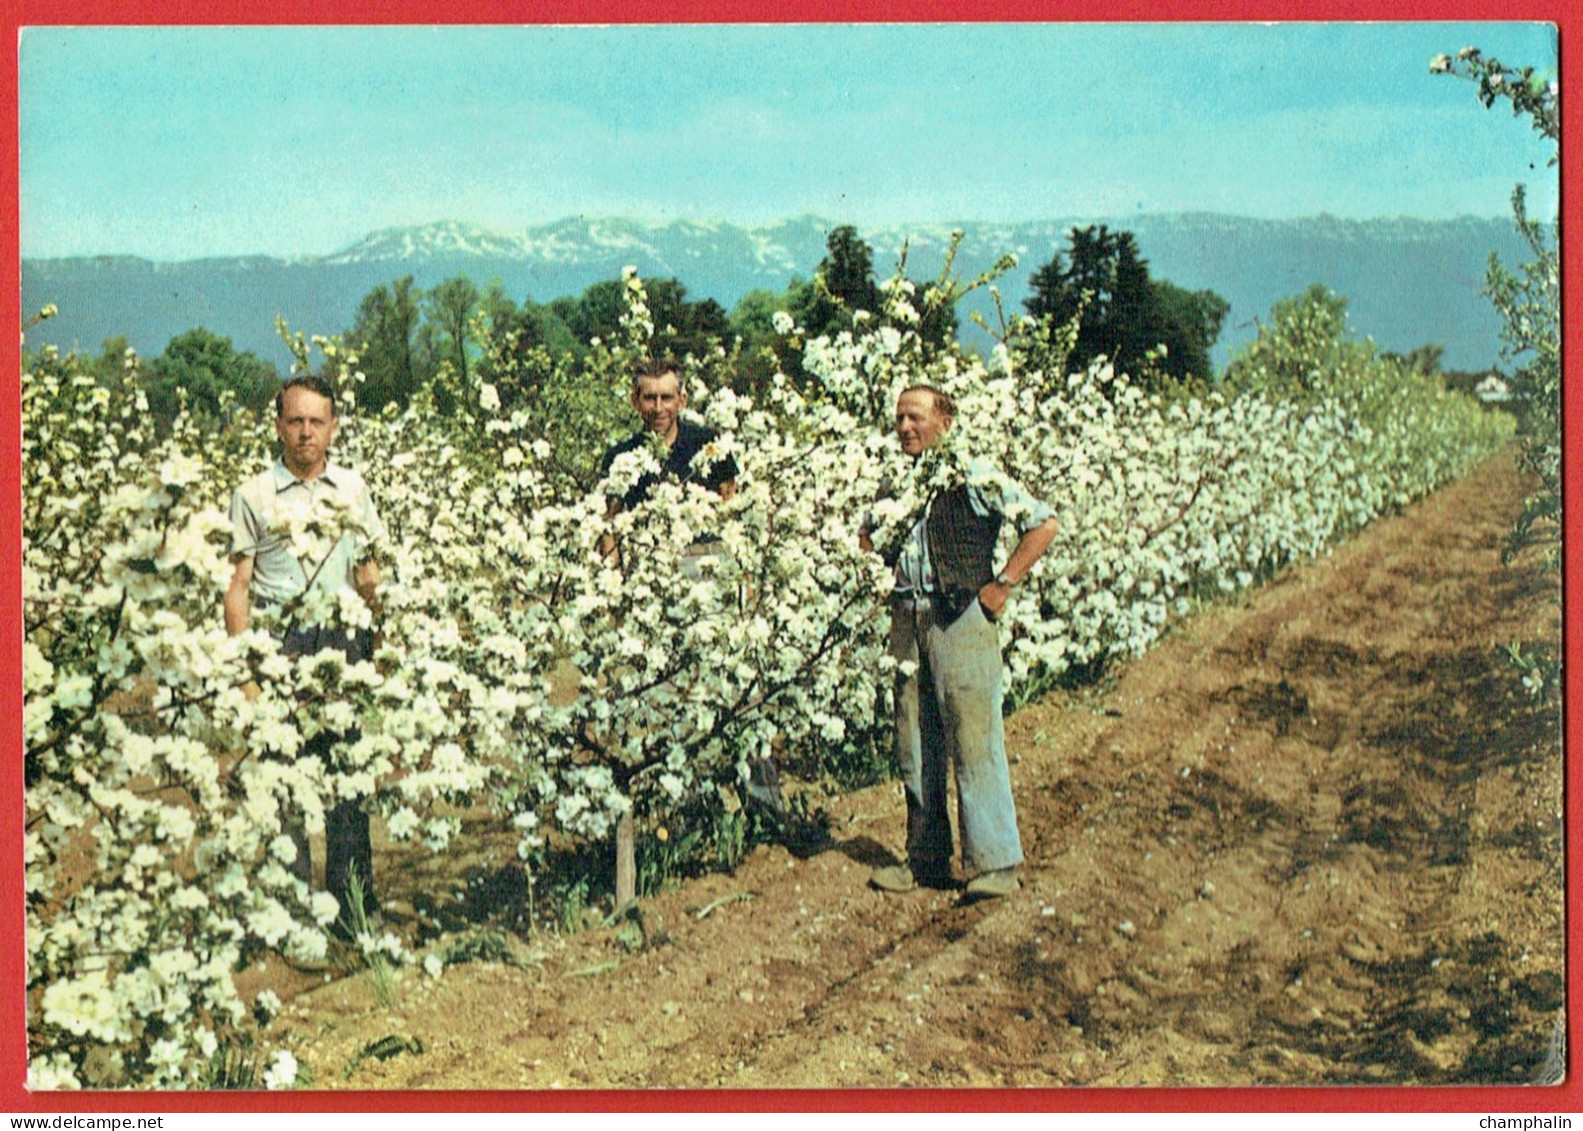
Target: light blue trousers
[(948, 714)]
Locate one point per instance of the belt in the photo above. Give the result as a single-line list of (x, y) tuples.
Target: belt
[(950, 603)]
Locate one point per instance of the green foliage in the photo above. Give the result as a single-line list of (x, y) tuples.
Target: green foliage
[(1304, 355), (520, 331), (573, 409), (1424, 359), (206, 373), (663, 858), (1144, 326), (1190, 324), (449, 310), (1528, 301), (1540, 667), (386, 1047), (571, 903), (386, 333), (843, 284), (844, 289), (381, 973), (237, 1065), (1532, 93), (1301, 345), (863, 758), (682, 328), (596, 313), (482, 945), (764, 350)]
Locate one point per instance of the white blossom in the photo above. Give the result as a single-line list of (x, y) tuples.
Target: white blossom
[(282, 1071)]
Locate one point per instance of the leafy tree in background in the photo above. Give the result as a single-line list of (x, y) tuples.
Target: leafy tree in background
[(765, 351), (1304, 339), (107, 368), (386, 332), (1191, 322), (1425, 359), (525, 340), (1057, 288), (449, 310), (1123, 314), (681, 326), (205, 367), (112, 357), (596, 313), (842, 284), (848, 270)]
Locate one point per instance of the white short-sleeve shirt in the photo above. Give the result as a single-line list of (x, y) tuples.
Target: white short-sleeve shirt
[(262, 507)]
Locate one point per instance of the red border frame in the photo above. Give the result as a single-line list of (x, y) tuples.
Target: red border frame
[(1566, 1098)]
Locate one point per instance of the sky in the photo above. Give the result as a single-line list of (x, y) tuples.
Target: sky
[(178, 143)]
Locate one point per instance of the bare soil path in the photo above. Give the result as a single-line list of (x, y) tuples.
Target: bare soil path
[(1312, 837)]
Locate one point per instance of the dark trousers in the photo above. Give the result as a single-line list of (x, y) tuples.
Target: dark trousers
[(348, 849)]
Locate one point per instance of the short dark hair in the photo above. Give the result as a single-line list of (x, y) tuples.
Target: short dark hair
[(658, 367), (313, 383), (943, 404)]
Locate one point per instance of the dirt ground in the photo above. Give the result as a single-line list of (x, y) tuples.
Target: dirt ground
[(1313, 837)]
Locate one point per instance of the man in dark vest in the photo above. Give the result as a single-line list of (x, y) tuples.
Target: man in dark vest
[(948, 711)]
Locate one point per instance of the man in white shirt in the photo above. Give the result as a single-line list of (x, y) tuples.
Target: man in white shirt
[(267, 574)]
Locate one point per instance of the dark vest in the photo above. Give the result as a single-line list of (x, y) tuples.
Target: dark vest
[(961, 548)]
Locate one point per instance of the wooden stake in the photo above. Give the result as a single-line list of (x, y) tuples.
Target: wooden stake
[(626, 863)]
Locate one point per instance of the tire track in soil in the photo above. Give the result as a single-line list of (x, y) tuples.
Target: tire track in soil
[(1312, 837)]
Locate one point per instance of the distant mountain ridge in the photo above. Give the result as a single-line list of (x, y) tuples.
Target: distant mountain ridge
[(1409, 281)]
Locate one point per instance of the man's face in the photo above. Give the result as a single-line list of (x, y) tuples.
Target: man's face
[(659, 401), (306, 425), (919, 421)]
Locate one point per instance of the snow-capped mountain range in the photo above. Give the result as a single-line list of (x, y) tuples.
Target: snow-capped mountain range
[(1409, 281)]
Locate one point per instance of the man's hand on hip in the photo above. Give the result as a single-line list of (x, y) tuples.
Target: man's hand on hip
[(993, 597)]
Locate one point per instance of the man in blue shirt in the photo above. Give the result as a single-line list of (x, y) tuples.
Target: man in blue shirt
[(658, 397)]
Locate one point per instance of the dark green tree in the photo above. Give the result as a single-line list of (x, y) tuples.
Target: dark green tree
[(386, 333), (842, 284), (848, 270), (448, 311), (1423, 359), (764, 350), (204, 366), (1125, 314), (596, 313), (1135, 322), (1190, 324), (683, 327), (524, 344)]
